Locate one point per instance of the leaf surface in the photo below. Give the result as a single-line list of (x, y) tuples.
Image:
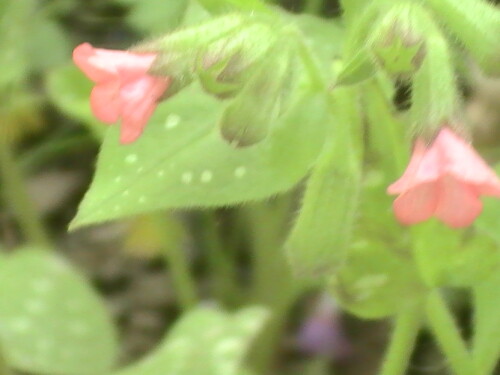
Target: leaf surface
[(51, 321), (181, 160)]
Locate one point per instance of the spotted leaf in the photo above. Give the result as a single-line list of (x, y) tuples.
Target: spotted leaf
[(51, 321), (182, 161), (204, 342)]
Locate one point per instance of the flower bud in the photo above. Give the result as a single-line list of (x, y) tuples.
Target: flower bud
[(248, 118), (178, 52), (226, 64), (397, 43)]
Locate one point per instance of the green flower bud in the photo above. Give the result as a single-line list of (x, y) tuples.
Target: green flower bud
[(178, 52), (397, 42), (249, 117), (221, 53), (225, 65)]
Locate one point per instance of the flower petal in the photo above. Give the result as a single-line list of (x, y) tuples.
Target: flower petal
[(139, 100), (102, 65), (465, 164), (105, 101), (490, 187), (417, 204), (424, 167), (458, 204)]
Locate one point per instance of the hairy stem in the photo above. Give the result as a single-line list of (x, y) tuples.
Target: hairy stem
[(403, 339), (222, 268), (184, 283), (273, 285), (448, 336), (16, 196)]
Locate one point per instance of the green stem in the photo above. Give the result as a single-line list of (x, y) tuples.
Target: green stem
[(223, 270), (57, 148), (448, 336), (402, 343), (184, 283), (17, 197), (273, 285), (313, 6), (318, 366)]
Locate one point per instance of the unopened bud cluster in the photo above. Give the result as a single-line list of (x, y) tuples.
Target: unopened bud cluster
[(397, 43), (244, 60)]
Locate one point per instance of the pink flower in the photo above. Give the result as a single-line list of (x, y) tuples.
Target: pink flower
[(443, 180), (124, 89)]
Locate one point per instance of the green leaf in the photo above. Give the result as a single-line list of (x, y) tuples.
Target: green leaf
[(486, 342), (14, 35), (69, 90), (181, 160), (444, 257), (48, 44), (377, 281), (489, 220), (207, 342), (156, 16), (51, 321), (322, 235), (376, 218)]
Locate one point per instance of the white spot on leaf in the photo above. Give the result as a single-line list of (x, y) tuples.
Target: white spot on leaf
[(131, 158), (206, 176), (187, 177), (240, 172), (172, 121)]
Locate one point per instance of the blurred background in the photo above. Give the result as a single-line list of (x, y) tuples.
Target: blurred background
[(48, 132)]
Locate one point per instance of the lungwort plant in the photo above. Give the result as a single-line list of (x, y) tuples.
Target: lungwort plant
[(242, 102)]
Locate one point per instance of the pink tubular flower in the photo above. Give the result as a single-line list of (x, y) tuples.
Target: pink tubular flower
[(124, 89), (443, 180)]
